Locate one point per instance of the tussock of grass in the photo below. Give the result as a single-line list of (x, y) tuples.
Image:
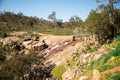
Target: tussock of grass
[(72, 64), (58, 71)]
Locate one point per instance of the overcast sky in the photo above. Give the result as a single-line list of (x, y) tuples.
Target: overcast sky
[(42, 8)]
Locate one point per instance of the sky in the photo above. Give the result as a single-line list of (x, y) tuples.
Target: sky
[(42, 8)]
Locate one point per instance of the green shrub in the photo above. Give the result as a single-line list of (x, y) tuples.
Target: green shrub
[(94, 64), (115, 62), (26, 49), (3, 35), (113, 53), (72, 63), (104, 67), (118, 38), (101, 66), (17, 66), (91, 50), (115, 76), (102, 63), (58, 71)]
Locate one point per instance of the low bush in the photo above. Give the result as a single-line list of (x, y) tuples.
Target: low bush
[(3, 35), (104, 67), (71, 63), (58, 71), (115, 53), (115, 62), (115, 76)]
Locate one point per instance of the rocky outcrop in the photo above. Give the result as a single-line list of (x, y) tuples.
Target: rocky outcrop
[(27, 38), (84, 78), (26, 52), (9, 39), (17, 45), (69, 74)]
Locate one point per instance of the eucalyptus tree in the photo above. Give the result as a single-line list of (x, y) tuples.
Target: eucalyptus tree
[(57, 22), (109, 6), (52, 16), (75, 21)]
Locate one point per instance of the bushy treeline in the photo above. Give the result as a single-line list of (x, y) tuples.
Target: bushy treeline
[(99, 23), (19, 21), (104, 21)]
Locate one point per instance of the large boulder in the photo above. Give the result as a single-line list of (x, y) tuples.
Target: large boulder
[(40, 47), (26, 52), (27, 44), (27, 38), (96, 75), (35, 38)]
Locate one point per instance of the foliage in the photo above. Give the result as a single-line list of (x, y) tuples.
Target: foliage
[(6, 49), (14, 65), (112, 53), (75, 21), (103, 63), (58, 71), (52, 16), (115, 76), (115, 62), (71, 63), (3, 35), (102, 22), (56, 31), (112, 45), (57, 22), (20, 22), (90, 47), (104, 67), (97, 23), (110, 9), (17, 66), (17, 21)]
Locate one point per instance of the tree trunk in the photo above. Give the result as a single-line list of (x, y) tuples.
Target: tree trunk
[(113, 32)]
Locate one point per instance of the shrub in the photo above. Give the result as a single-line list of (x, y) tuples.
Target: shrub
[(94, 64), (72, 63), (113, 53), (3, 35), (104, 67), (17, 66), (118, 38), (115, 62), (115, 76), (58, 71)]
